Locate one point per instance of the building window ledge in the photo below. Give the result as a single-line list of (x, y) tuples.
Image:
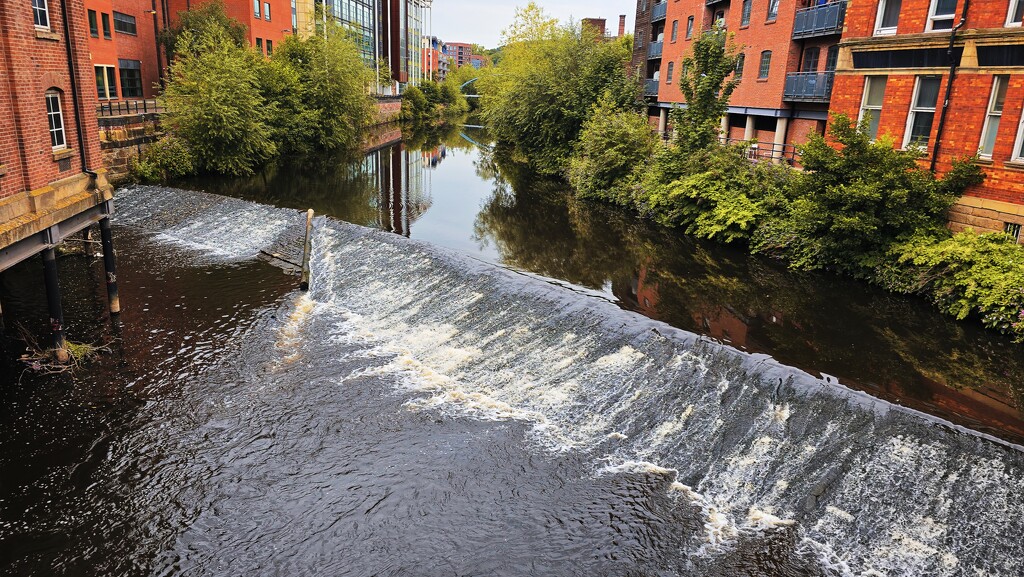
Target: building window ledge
[(3, 169), (47, 34), (63, 153), (984, 161), (1014, 165)]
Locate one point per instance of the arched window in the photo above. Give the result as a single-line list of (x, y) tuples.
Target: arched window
[(55, 117), (668, 74), (766, 64)]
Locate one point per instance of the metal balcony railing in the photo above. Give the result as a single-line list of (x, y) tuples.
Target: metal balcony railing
[(659, 11), (755, 150), (808, 86), (650, 87), (654, 49), (823, 20)]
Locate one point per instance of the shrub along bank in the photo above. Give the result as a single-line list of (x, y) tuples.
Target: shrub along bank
[(859, 207), (434, 103)]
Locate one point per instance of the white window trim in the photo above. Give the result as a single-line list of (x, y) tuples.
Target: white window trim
[(60, 114), (1015, 155), (932, 17), (107, 89), (1009, 15), (879, 31), (46, 9), (996, 82), (914, 110), (864, 106)]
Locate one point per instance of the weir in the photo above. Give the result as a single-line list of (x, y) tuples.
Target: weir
[(859, 485)]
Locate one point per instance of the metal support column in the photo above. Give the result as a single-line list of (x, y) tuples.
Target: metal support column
[(53, 303), (110, 265)]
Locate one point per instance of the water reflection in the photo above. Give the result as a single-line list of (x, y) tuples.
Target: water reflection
[(452, 189)]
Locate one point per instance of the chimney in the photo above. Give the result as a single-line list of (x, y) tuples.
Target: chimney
[(622, 25)]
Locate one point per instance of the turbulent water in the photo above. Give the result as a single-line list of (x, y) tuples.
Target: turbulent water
[(419, 412)]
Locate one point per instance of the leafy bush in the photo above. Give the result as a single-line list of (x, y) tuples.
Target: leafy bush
[(853, 201), (706, 87), (415, 107), (165, 159), (612, 144), (968, 275), (197, 20)]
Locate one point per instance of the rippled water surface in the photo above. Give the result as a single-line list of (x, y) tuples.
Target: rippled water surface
[(422, 411)]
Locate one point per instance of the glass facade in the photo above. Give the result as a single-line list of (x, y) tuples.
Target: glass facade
[(360, 16)]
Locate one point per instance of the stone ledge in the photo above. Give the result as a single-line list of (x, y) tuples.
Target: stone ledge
[(47, 35), (63, 153), (28, 213), (3, 169), (995, 205)]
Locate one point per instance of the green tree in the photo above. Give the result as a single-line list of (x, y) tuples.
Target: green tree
[(705, 83), (853, 201), (198, 20), (214, 103)]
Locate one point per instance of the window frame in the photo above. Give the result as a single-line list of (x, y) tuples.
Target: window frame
[(256, 9), (108, 28), (41, 8), (1017, 155), (54, 96), (1013, 229), (1014, 4), (689, 28), (773, 11), (933, 17), (891, 30), (94, 24), (124, 68), (809, 51), (669, 71), (866, 106), (741, 62), (675, 30), (270, 47), (110, 92), (259, 45), (916, 109), (266, 11), (764, 68), (1000, 82), (745, 9), (126, 19)]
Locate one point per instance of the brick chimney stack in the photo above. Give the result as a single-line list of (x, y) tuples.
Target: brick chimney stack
[(622, 25)]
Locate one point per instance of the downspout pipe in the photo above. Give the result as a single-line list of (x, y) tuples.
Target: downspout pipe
[(73, 73), (949, 84)]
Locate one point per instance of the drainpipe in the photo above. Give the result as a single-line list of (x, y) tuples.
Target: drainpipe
[(949, 85), (156, 39), (72, 72)]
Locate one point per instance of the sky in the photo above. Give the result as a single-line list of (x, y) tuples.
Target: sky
[(481, 21)]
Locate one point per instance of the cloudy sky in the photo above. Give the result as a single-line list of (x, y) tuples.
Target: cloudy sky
[(481, 21)]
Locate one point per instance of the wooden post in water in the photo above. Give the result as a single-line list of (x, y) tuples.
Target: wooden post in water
[(60, 345), (308, 248), (107, 239)]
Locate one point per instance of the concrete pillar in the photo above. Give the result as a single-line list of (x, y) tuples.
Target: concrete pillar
[(781, 127), (723, 135), (60, 345), (662, 121), (110, 266), (749, 132)]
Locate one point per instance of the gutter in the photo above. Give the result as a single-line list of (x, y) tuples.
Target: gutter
[(73, 73), (949, 85)]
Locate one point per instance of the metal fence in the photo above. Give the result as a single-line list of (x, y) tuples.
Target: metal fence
[(659, 11), (651, 88), (808, 86), (820, 20), (128, 107), (756, 150)]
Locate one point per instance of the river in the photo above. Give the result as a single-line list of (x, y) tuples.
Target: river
[(483, 397)]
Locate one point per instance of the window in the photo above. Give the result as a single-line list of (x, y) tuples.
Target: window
[(56, 120), (1016, 13), (94, 26), (810, 63), (256, 8), (888, 17), (106, 86), (259, 45), (131, 78), (266, 11), (832, 58), (668, 74), (689, 27), (745, 13), (106, 25), (124, 24), (773, 9), (719, 18), (270, 46), (740, 61), (941, 15), (922, 111), (993, 116), (675, 29), (1013, 230), (871, 104), (41, 14), (766, 64)]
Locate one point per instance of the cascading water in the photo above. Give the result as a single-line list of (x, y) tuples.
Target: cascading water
[(758, 458)]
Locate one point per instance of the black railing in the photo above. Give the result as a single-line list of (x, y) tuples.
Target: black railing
[(808, 86), (822, 20), (755, 150), (659, 11), (128, 107), (651, 87), (654, 49)]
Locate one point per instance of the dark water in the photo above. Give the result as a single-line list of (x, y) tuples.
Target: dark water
[(421, 412)]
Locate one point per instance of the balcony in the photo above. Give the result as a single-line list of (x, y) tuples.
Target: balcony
[(710, 2), (808, 86), (650, 87), (654, 50), (823, 20), (659, 11)]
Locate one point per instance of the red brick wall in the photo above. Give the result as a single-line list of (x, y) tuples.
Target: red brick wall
[(33, 62), (861, 16), (142, 46), (279, 26)]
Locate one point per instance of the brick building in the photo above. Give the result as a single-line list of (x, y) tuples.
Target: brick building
[(126, 58), (435, 60), (266, 21), (894, 66), (460, 53), (789, 51)]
